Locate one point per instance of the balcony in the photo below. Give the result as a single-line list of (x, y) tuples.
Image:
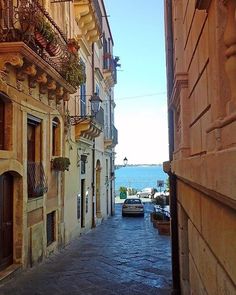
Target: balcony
[(88, 126), (110, 137), (88, 16), (32, 42), (109, 69), (37, 184)]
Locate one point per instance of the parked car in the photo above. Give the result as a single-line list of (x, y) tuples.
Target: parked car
[(133, 206), (147, 192)]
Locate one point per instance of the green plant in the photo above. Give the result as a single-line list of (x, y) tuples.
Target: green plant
[(123, 189), (61, 163), (74, 72), (160, 216), (45, 28)]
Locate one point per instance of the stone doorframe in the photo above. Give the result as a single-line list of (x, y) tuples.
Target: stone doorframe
[(14, 168)]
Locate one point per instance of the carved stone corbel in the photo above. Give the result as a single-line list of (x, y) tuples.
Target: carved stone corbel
[(66, 96), (26, 70), (30, 70), (230, 53), (42, 78), (59, 92), (51, 85), (14, 59), (51, 95)]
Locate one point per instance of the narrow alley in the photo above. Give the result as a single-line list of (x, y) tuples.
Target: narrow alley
[(121, 256)]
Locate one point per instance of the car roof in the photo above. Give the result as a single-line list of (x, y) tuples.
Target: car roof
[(132, 199)]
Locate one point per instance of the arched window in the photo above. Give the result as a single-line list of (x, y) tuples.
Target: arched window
[(56, 137)]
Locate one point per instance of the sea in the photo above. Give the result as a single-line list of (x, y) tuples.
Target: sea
[(139, 177)]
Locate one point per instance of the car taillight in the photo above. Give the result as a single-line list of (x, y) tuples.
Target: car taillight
[(125, 206)]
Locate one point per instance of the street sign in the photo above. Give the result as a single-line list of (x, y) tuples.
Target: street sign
[(160, 183)]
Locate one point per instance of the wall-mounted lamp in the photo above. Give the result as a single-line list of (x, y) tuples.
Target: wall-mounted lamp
[(95, 101), (125, 161)]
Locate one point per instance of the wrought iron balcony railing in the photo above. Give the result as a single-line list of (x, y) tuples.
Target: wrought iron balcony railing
[(37, 184), (110, 64), (97, 9), (114, 135), (99, 117), (27, 21), (111, 134)]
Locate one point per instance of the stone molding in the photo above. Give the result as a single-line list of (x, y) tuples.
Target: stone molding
[(31, 66), (180, 82)]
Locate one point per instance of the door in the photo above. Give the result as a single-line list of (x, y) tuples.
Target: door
[(6, 220)]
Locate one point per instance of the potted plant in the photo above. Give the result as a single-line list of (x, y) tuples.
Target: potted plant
[(45, 35), (74, 72), (161, 220), (73, 45), (61, 163)]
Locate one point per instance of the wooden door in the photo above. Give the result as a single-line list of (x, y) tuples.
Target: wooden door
[(6, 220)]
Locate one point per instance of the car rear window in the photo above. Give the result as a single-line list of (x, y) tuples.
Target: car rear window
[(132, 201)]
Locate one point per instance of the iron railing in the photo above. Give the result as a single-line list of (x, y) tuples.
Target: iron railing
[(111, 134), (29, 22), (37, 184), (114, 135), (99, 117), (97, 9), (110, 64)]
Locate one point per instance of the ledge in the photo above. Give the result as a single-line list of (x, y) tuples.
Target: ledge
[(7, 49)]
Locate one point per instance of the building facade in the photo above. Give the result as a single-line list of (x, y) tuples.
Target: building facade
[(56, 153), (201, 73)]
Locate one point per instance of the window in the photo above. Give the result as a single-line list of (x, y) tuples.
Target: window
[(6, 114), (83, 96), (37, 184), (56, 137), (83, 164), (50, 228)]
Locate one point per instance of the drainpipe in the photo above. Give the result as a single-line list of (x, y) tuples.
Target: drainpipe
[(93, 151), (111, 156), (172, 176)]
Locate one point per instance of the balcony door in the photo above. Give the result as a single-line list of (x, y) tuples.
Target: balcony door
[(37, 185), (6, 220)]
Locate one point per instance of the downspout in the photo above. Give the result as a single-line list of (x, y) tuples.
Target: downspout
[(111, 156), (172, 176), (93, 151)]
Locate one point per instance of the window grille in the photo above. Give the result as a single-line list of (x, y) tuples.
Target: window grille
[(50, 228)]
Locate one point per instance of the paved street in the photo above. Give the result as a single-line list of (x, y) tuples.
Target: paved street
[(124, 256)]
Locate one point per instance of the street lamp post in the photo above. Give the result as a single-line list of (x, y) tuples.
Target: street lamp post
[(125, 161)]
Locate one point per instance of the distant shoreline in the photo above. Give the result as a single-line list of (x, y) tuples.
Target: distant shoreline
[(137, 165)]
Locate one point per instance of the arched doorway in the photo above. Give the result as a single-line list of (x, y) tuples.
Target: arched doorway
[(98, 189), (6, 220)]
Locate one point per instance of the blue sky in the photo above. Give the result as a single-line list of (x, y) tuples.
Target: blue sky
[(141, 113)]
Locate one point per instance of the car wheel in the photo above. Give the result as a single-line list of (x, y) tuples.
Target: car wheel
[(123, 214)]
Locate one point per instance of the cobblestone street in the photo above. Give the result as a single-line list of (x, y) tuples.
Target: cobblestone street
[(121, 256)]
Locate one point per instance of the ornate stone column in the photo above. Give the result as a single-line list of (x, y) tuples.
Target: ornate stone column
[(230, 53)]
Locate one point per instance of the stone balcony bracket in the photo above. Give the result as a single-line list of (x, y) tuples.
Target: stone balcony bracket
[(29, 67), (85, 17), (87, 128), (108, 143)]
